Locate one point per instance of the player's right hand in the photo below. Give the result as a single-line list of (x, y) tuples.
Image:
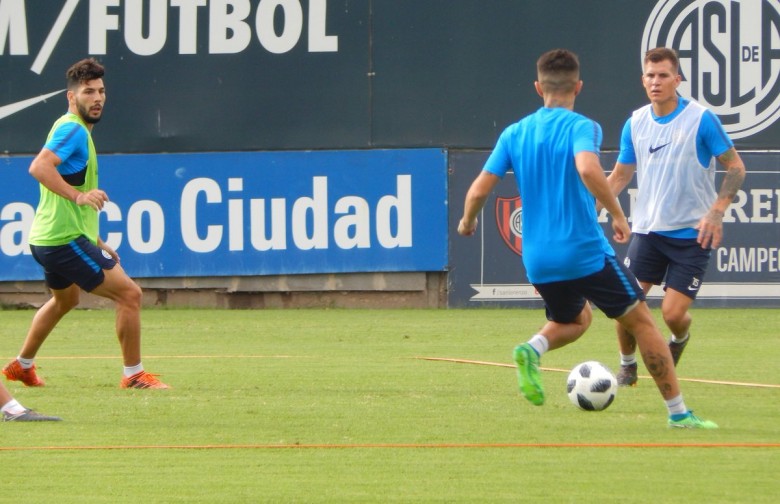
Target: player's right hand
[(467, 228), (622, 229)]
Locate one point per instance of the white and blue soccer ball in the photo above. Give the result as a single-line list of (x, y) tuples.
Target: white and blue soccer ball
[(591, 386)]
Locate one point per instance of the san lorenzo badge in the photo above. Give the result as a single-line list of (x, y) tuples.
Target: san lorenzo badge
[(509, 219)]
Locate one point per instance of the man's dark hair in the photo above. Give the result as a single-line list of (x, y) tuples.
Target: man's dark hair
[(660, 54), (558, 71), (82, 71)]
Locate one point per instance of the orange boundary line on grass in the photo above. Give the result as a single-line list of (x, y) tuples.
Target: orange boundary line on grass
[(697, 380), (391, 446)]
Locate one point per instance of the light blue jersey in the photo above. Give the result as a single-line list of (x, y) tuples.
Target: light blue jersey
[(562, 239), (70, 143)]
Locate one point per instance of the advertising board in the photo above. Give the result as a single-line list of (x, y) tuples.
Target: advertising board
[(244, 213)]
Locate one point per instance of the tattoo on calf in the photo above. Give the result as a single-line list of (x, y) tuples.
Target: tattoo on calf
[(657, 365)]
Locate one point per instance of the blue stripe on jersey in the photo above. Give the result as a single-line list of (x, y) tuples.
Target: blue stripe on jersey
[(80, 252), (629, 289), (596, 136)]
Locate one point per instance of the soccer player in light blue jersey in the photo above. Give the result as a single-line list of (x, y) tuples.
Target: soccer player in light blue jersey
[(554, 154), (672, 144)]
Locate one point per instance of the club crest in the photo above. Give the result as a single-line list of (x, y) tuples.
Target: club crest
[(509, 220)]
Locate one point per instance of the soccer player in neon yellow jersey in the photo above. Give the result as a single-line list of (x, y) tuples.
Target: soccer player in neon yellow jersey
[(64, 236), (554, 154)]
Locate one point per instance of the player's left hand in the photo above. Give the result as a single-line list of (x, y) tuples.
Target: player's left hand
[(95, 198), (710, 229)]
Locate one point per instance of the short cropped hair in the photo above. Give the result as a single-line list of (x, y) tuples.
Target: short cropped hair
[(82, 71), (660, 54), (558, 71)]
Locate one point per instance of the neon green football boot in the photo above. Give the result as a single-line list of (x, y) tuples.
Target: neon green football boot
[(690, 421), (528, 377)]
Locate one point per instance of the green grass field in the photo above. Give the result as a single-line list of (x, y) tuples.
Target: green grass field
[(337, 406)]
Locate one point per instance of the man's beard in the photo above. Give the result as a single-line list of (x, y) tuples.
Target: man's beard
[(84, 113)]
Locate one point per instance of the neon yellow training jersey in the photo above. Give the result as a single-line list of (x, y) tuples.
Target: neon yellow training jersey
[(57, 220)]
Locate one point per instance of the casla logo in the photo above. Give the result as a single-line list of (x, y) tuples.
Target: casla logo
[(509, 220), (729, 57)]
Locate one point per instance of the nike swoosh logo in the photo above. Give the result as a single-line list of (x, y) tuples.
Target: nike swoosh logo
[(12, 108), (656, 149)]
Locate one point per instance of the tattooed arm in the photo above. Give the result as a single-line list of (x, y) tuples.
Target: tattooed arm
[(711, 225)]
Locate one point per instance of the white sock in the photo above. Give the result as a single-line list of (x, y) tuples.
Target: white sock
[(13, 407), (675, 339), (627, 360), (25, 363), (539, 343), (133, 370), (676, 406)]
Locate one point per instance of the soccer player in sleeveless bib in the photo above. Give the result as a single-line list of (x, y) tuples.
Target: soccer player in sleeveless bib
[(64, 236), (672, 144)]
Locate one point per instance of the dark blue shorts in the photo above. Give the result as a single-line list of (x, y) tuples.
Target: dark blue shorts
[(79, 262), (614, 290), (681, 262)]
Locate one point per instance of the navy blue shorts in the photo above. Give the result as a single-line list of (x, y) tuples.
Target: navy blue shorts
[(79, 262), (681, 262), (614, 290)]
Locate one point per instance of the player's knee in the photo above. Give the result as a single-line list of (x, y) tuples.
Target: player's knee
[(675, 316), (67, 303), (637, 322), (135, 294), (130, 296), (586, 320), (585, 317)]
